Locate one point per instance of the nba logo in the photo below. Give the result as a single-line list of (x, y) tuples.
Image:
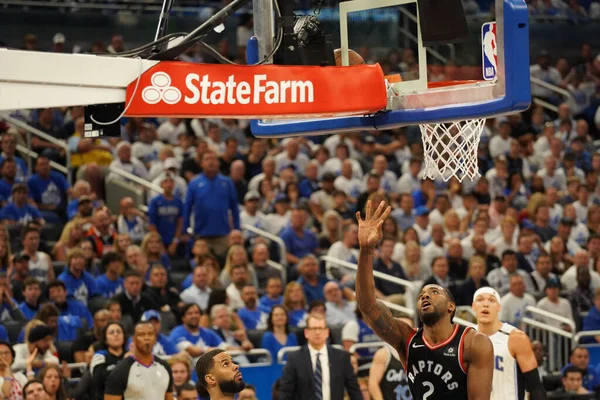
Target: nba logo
[(489, 51)]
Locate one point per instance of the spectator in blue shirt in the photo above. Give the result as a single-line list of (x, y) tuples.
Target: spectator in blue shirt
[(57, 292), (32, 292), (191, 337), (273, 295), (8, 171), (165, 215), (250, 314), (81, 192), (80, 284), (312, 283), (310, 183), (49, 189), (9, 308), (4, 334), (580, 357), (110, 283), (9, 150), (278, 333), (212, 199), (299, 241), (64, 327), (19, 211), (294, 302)]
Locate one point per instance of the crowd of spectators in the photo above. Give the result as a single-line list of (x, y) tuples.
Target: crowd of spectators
[(75, 276)]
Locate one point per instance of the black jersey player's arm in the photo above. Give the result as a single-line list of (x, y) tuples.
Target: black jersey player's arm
[(376, 313), (479, 355), (520, 348), (376, 373)]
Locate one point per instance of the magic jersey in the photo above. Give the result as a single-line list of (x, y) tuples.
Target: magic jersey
[(437, 372), (508, 378)]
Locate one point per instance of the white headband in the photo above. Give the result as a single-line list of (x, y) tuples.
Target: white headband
[(487, 290)]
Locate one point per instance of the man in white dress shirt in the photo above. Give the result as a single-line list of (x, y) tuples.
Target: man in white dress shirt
[(199, 292)]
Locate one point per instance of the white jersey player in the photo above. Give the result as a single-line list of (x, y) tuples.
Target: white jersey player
[(515, 365)]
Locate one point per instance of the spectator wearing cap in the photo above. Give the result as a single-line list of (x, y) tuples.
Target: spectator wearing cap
[(49, 189), (569, 278), (347, 183), (125, 162), (422, 226), (146, 147), (110, 283), (322, 200), (212, 200), (275, 222), (298, 240), (8, 145), (39, 342), (19, 211), (250, 214), (80, 284), (20, 273), (499, 278), (164, 346), (9, 308), (68, 307), (165, 214), (58, 43), (32, 292), (11, 383), (171, 166), (559, 306), (237, 173)]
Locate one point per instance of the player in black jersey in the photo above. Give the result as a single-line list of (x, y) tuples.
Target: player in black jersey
[(442, 361)]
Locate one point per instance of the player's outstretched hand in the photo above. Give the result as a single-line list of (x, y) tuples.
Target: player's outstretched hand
[(370, 230)]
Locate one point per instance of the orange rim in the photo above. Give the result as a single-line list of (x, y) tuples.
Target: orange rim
[(433, 85)]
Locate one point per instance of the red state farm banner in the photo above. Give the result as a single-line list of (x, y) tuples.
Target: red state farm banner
[(179, 89)]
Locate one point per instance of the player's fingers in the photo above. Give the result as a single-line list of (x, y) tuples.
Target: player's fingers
[(386, 212), (380, 226), (368, 211), (378, 211), (358, 218)]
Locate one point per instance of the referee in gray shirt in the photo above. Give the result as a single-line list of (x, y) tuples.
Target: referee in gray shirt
[(141, 376)]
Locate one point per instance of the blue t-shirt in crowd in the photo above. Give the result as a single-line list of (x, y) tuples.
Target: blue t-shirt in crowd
[(6, 310), (4, 334), (265, 303), (296, 317), (299, 246), (164, 346), (81, 288), (108, 288), (271, 343), (591, 378), (28, 311), (313, 293), (591, 322), (184, 338), (68, 327), (187, 282), (163, 214), (73, 206), (21, 167), (51, 191), (210, 200), (22, 215), (78, 309), (250, 318)]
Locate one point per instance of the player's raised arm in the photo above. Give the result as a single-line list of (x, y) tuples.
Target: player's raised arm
[(378, 315), (481, 367), (520, 345)]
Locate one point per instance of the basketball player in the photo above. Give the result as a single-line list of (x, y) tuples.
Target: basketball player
[(515, 365), (219, 375), (387, 379), (442, 361)]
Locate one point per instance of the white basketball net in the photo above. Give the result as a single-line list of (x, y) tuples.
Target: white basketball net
[(450, 149)]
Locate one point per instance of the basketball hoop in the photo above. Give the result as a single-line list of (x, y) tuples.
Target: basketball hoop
[(450, 149)]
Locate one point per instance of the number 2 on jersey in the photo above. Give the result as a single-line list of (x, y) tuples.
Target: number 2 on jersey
[(429, 391)]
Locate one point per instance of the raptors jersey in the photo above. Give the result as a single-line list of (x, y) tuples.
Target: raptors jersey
[(508, 379), (437, 372)]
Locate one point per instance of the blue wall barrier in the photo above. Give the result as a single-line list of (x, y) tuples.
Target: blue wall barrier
[(263, 378)]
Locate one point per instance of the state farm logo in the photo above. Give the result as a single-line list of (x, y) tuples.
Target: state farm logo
[(204, 90), (161, 90)]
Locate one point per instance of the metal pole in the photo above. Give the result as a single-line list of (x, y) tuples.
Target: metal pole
[(163, 23), (29, 166), (264, 27)]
